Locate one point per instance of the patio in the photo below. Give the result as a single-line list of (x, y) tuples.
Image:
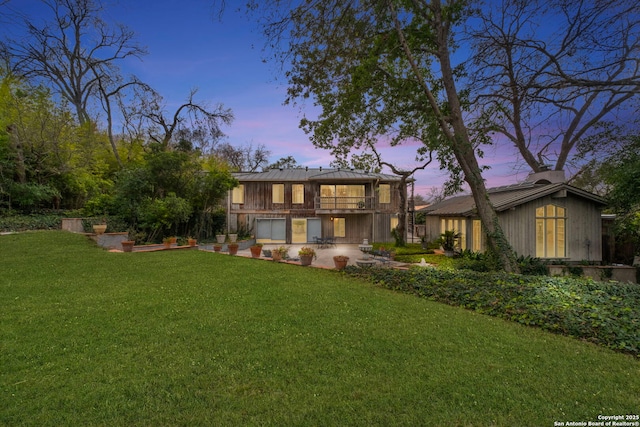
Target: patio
[(325, 254)]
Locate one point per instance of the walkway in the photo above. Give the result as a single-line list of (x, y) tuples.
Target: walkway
[(324, 255)]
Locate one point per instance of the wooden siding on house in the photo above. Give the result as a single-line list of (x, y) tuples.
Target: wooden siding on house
[(583, 227), (372, 222)]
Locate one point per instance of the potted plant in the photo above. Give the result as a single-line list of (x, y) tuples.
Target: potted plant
[(127, 245), (448, 241), (100, 227), (279, 253), (233, 237), (307, 255), (167, 242), (192, 241), (217, 247), (220, 238), (233, 248), (340, 261), (255, 250)]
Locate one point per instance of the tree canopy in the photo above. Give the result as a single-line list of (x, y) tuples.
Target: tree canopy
[(382, 72)]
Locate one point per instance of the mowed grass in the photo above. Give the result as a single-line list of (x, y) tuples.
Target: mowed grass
[(89, 337)]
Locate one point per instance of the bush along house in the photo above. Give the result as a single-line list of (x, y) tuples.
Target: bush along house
[(302, 205), (542, 217)]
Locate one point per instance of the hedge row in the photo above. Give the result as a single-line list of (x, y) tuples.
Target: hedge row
[(604, 313), (30, 222)]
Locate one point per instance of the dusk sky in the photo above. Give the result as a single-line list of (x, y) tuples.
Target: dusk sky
[(188, 47)]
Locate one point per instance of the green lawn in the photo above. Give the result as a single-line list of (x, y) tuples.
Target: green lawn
[(89, 337)]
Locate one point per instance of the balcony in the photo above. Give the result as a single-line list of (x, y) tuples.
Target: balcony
[(344, 204)]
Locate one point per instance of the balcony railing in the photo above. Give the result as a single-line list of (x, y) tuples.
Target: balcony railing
[(360, 202)]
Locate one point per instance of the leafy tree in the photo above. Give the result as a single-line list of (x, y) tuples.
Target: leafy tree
[(172, 192), (40, 143), (383, 70), (621, 172), (288, 162)]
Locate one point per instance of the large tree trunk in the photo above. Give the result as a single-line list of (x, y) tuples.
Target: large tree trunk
[(464, 152)]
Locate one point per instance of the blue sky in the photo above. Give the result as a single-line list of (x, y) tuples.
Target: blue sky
[(188, 47)]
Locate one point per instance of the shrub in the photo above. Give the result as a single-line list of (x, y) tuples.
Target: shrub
[(44, 221)]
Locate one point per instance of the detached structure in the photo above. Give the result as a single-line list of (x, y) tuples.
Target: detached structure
[(542, 217), (300, 205)]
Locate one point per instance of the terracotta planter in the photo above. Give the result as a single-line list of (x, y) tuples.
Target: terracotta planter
[(173, 240), (340, 261), (167, 245), (255, 251), (100, 228), (192, 242), (127, 245), (217, 248), (233, 249), (306, 259), (276, 255)]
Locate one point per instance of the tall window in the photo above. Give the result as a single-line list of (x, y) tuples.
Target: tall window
[(339, 227), (297, 193), (476, 241), (237, 195), (277, 193), (459, 225), (384, 193), (393, 221), (550, 232)]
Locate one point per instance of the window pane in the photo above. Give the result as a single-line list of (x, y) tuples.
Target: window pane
[(384, 192), (551, 210), (278, 193), (237, 195), (394, 222), (297, 193), (560, 238), (540, 238), (560, 212), (342, 202), (327, 194), (551, 238), (539, 212), (477, 236), (338, 227)]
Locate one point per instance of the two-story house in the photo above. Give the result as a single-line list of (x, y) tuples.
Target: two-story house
[(298, 205)]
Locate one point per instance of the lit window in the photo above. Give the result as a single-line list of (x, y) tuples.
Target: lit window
[(550, 232), (477, 236), (384, 193), (297, 193), (339, 227), (394, 221), (342, 196), (237, 195), (278, 193), (459, 226)]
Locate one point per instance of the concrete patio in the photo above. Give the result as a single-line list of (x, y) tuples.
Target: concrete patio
[(324, 255)]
